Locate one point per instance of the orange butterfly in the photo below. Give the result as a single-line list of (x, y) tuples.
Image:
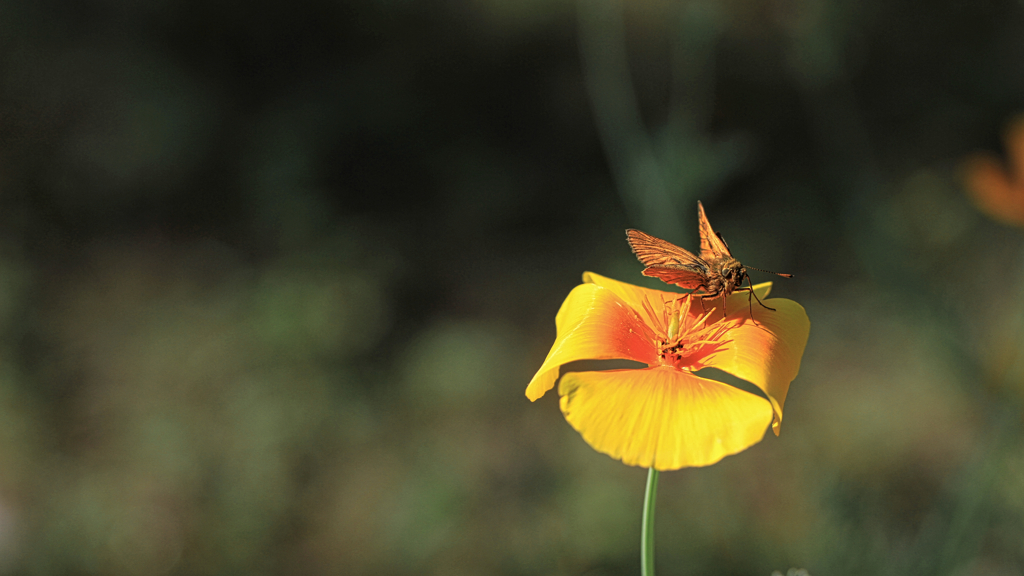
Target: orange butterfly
[(715, 272)]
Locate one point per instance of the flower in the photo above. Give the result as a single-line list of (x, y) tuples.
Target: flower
[(996, 190), (664, 416)]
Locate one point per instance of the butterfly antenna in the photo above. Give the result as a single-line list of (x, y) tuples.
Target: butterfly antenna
[(770, 272)]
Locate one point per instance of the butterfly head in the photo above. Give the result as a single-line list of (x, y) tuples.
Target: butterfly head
[(725, 276), (733, 274)]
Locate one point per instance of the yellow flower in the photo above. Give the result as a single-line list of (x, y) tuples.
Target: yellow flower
[(663, 416), (998, 189)]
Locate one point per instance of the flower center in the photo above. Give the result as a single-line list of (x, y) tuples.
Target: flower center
[(684, 341)]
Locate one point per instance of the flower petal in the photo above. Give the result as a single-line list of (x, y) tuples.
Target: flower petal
[(992, 190), (594, 324), (635, 295), (1014, 138), (631, 294), (661, 416), (735, 302), (766, 353)]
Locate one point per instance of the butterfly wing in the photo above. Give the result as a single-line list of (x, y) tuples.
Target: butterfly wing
[(712, 246), (678, 276), (652, 251), (667, 261)]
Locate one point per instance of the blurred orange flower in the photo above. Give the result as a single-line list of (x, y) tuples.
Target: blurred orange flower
[(663, 416), (998, 189)]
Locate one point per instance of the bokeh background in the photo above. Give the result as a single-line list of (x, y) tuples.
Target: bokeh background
[(274, 277)]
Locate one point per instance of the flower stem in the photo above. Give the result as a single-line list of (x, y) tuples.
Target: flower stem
[(647, 532)]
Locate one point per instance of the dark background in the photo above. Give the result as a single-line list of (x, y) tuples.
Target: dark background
[(274, 277)]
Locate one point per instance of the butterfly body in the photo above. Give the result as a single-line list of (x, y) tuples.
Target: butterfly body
[(724, 277), (714, 273)]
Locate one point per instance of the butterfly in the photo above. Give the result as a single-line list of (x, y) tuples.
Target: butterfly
[(714, 273)]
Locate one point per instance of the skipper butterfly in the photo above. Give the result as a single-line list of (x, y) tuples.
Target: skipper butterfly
[(714, 273)]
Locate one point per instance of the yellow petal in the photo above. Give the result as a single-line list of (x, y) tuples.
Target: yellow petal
[(630, 294), (766, 353), (734, 303), (634, 295), (593, 324), (662, 417)]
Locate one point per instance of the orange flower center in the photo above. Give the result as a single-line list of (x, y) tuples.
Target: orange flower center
[(684, 341)]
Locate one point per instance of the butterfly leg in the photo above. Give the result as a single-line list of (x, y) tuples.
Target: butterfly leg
[(750, 305), (704, 310), (751, 290)]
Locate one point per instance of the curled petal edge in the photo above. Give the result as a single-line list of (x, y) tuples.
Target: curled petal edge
[(593, 323)]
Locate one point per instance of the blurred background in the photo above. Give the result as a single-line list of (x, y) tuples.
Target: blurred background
[(273, 280)]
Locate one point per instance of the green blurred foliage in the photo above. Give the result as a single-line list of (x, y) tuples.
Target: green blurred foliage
[(273, 279)]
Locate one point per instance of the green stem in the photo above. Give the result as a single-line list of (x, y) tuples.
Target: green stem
[(647, 532)]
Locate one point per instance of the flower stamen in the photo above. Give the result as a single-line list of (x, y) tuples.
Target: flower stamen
[(684, 343)]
